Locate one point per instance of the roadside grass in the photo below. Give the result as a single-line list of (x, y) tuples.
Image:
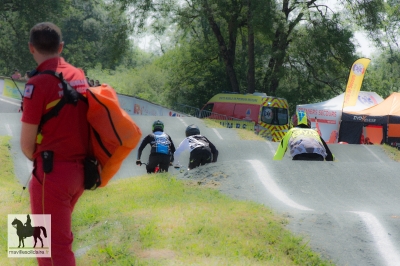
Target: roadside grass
[(392, 152), (244, 134), (212, 123), (159, 220), (13, 200)]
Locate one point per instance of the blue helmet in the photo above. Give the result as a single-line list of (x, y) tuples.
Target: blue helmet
[(300, 118)]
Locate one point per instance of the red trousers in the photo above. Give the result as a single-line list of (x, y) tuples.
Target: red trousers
[(56, 193)]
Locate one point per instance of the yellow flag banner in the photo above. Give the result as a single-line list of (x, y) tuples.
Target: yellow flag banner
[(356, 77)]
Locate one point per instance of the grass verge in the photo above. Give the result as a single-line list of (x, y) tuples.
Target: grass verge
[(392, 152), (13, 200), (243, 134), (158, 220)]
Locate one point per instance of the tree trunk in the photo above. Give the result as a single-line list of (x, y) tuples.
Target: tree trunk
[(278, 52), (227, 53), (251, 81)]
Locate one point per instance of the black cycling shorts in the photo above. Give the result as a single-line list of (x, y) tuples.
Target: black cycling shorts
[(161, 159), (309, 157), (200, 156)]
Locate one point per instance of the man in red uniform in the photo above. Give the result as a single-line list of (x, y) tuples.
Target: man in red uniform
[(58, 150)]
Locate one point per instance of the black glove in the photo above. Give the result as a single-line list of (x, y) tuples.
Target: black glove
[(138, 162)]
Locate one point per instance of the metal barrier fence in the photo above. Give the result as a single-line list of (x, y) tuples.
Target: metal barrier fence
[(187, 110), (196, 112), (223, 120)]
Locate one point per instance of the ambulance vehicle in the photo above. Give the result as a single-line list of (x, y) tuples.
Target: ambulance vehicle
[(267, 115)]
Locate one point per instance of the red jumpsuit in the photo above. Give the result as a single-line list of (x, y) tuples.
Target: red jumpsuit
[(67, 135)]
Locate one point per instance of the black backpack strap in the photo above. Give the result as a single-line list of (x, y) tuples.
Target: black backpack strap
[(70, 96)]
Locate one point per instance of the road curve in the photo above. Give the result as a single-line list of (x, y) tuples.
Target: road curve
[(347, 210)]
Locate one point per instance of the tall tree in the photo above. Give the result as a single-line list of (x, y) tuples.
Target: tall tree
[(16, 19), (383, 74), (95, 33), (298, 13), (224, 18), (90, 30), (300, 48), (251, 82), (317, 68)]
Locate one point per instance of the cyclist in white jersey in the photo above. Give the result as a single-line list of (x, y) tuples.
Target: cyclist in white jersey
[(201, 150)]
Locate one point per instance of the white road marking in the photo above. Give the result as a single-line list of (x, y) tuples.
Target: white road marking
[(183, 122), (17, 104), (271, 148), (272, 187), (8, 128), (381, 238), (217, 133), (376, 156)]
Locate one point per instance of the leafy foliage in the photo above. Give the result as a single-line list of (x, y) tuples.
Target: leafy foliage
[(147, 81), (90, 30), (383, 74), (95, 33), (302, 52), (16, 19), (195, 74)]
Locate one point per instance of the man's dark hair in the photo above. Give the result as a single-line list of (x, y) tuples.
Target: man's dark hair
[(45, 37)]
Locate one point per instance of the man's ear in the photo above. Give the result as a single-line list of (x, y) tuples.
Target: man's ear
[(31, 48), (60, 47)]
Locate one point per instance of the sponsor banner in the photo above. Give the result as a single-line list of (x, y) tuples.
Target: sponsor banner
[(236, 124), (377, 120), (313, 112), (354, 83), (324, 121), (237, 98), (29, 235), (10, 88)]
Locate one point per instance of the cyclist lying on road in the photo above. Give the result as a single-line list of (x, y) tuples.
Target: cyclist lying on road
[(202, 151)]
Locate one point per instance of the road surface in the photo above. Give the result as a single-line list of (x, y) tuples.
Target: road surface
[(347, 210)]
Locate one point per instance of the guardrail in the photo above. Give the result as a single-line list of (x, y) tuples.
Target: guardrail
[(196, 112), (187, 110)]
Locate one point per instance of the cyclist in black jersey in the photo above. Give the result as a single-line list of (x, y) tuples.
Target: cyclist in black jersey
[(162, 149)]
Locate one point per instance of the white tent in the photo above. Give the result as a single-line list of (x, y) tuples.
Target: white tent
[(329, 113)]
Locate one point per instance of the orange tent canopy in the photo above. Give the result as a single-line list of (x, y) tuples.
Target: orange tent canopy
[(389, 106)]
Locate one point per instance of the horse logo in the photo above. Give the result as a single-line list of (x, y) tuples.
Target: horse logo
[(27, 230)]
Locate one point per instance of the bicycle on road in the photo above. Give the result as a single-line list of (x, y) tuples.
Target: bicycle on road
[(156, 169)]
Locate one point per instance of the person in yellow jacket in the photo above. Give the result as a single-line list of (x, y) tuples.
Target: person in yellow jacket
[(304, 142)]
